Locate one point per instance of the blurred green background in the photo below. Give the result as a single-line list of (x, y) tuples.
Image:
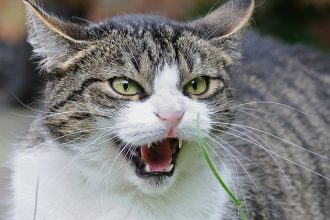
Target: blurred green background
[(293, 21)]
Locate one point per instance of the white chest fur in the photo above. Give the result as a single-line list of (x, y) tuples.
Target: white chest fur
[(73, 192)]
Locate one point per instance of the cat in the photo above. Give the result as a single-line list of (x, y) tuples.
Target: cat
[(117, 136)]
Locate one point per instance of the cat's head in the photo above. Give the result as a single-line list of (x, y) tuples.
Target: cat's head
[(125, 94)]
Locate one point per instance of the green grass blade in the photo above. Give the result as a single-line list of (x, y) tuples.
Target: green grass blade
[(206, 155)]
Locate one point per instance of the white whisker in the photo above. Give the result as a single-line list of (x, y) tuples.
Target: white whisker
[(279, 138)]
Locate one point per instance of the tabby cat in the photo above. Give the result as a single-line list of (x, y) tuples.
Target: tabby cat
[(117, 136)]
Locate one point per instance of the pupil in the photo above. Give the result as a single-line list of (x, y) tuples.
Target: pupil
[(194, 85), (125, 85)]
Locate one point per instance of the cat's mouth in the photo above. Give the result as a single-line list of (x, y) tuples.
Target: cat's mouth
[(155, 159)]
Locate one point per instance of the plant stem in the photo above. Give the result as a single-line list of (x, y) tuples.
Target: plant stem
[(206, 155)]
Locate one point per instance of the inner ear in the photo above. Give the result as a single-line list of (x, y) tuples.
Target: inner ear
[(226, 20), (69, 31), (59, 44)]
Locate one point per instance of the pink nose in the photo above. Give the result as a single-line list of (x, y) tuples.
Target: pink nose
[(170, 119)]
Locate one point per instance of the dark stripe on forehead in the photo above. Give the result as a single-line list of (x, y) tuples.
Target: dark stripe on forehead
[(80, 116), (74, 94)]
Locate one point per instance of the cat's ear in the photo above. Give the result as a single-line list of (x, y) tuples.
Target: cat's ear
[(53, 40), (226, 20)]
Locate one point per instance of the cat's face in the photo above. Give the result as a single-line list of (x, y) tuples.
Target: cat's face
[(126, 94), (147, 98)]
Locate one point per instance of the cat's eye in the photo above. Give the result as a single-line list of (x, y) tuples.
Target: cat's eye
[(197, 86), (125, 86)]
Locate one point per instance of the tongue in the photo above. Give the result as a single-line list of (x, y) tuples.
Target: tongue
[(158, 156)]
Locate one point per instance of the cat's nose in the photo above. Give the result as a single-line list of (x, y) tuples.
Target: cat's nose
[(170, 119)]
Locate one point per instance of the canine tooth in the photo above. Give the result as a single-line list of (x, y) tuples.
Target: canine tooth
[(148, 168), (168, 169), (180, 143), (148, 146)]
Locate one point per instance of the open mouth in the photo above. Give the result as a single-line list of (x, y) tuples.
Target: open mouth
[(155, 159)]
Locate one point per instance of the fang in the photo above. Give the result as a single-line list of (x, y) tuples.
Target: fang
[(148, 168), (169, 169), (180, 143)]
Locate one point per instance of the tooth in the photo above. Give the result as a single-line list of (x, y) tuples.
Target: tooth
[(149, 145), (180, 143), (168, 169), (148, 168)]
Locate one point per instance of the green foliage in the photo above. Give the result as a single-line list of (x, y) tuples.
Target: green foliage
[(206, 155)]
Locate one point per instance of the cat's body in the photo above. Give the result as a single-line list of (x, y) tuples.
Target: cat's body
[(298, 77), (101, 184)]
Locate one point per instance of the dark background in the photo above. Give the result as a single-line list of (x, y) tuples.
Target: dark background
[(293, 21)]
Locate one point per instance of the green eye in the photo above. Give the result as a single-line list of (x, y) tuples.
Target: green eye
[(125, 86), (196, 86)]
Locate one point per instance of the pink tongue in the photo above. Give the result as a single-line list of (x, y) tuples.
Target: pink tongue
[(158, 156)]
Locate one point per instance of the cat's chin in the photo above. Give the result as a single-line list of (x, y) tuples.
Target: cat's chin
[(156, 187), (153, 162)]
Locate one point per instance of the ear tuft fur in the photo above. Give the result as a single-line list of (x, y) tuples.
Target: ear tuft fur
[(53, 40)]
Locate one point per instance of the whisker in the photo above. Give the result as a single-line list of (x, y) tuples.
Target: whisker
[(86, 149), (253, 116), (259, 138), (279, 138), (284, 158), (231, 179), (67, 135), (236, 159), (237, 151), (28, 107), (273, 103), (260, 145)]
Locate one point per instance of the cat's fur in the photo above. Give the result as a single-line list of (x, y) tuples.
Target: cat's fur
[(163, 55)]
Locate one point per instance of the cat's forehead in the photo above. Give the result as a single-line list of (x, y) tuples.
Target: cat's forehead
[(138, 33), (138, 25), (140, 46)]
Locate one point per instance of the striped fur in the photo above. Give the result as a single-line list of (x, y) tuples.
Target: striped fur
[(78, 97), (298, 77)]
